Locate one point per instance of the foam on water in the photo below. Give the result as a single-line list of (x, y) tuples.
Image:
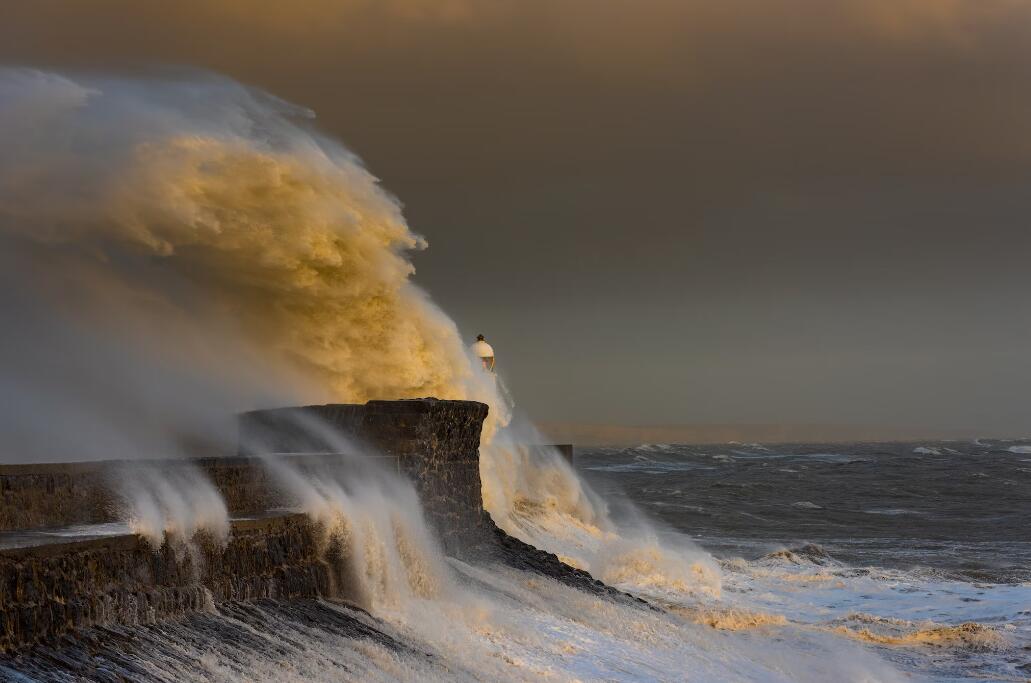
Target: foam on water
[(967, 620), (969, 627), (533, 494), (505, 624)]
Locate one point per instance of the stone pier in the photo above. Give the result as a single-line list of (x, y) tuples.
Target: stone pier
[(434, 443), (49, 589)]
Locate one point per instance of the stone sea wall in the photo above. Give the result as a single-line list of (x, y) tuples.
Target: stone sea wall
[(47, 591), (50, 589), (64, 494), (434, 443)]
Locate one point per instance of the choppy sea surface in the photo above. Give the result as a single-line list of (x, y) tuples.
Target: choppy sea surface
[(920, 551)]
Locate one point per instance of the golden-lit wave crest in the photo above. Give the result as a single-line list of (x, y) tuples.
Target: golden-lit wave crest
[(222, 200)]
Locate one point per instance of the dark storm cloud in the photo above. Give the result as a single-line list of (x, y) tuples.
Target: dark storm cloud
[(670, 211)]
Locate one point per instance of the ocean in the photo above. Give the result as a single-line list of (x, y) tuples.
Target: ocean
[(921, 552)]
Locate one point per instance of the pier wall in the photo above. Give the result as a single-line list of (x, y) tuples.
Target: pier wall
[(47, 591), (434, 443), (64, 494)]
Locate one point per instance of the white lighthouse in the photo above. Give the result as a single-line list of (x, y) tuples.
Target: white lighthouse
[(484, 351)]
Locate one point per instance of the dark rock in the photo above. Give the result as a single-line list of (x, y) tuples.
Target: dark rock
[(52, 590)]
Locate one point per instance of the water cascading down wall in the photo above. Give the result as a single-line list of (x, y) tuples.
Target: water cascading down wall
[(51, 588)]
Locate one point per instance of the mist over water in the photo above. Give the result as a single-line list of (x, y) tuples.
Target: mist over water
[(176, 251)]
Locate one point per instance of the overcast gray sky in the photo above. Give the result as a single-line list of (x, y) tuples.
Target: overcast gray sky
[(669, 211)]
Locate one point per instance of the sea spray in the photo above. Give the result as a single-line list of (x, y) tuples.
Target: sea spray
[(169, 502), (229, 255), (487, 622), (535, 495), (370, 520)]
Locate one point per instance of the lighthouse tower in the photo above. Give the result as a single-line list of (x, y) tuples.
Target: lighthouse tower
[(484, 351)]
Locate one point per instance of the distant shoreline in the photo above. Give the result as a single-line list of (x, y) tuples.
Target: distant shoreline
[(590, 434)]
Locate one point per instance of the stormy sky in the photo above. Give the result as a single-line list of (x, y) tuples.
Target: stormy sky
[(667, 212)]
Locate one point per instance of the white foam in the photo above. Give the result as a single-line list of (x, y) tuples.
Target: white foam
[(536, 496)]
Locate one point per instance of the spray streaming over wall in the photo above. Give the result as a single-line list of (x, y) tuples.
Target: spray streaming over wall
[(170, 501), (189, 247), (371, 524)]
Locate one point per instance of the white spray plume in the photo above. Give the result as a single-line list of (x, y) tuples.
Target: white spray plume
[(189, 247), (375, 517)]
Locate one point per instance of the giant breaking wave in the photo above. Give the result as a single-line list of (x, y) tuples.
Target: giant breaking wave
[(177, 250), (211, 223)]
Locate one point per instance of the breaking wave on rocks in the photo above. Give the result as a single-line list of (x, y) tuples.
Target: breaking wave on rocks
[(534, 494), (190, 248)]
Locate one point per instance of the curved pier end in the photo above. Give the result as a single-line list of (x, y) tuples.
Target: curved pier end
[(434, 443)]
